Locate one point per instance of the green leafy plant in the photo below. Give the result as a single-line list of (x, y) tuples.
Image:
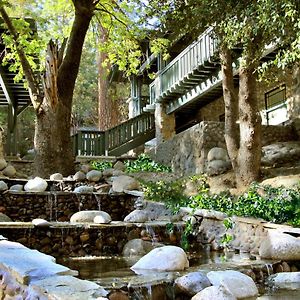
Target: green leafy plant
[(101, 165), (145, 163)]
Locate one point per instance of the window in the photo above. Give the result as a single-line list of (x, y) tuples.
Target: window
[(275, 106)]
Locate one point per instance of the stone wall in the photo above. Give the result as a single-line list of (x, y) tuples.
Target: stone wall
[(70, 240), (60, 206), (187, 151)]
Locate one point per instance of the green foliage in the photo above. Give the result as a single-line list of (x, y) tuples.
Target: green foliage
[(145, 163), (101, 165), (168, 192)]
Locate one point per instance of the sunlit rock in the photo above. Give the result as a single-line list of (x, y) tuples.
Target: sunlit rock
[(166, 258), (36, 185), (137, 216), (285, 280), (214, 292), (40, 223), (84, 189), (102, 218), (16, 188), (56, 176), (124, 182), (237, 283), (90, 216), (278, 245)]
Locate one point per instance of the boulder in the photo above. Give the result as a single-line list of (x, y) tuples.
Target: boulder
[(124, 182), (192, 283), (137, 216), (36, 185), (102, 218), (3, 186), (9, 171), (88, 216), (278, 245), (290, 181), (56, 176), (163, 259), (79, 176), (94, 175), (237, 283), (85, 168), (214, 293), (285, 280), (119, 166), (217, 153), (83, 189), (40, 223), (217, 167), (139, 247), (108, 172), (3, 164), (4, 218), (16, 188)]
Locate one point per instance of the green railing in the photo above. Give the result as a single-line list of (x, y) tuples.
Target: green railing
[(189, 60), (117, 140)]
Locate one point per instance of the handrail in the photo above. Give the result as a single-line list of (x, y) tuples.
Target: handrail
[(116, 139), (193, 56)]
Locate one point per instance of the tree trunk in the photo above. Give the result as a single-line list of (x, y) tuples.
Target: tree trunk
[(231, 107), (108, 111), (250, 128)]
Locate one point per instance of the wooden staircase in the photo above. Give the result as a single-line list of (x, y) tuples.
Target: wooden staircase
[(117, 140)]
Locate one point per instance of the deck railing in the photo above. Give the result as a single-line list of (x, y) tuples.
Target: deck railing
[(117, 140), (195, 55)]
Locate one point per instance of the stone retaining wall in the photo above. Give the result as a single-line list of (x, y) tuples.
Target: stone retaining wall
[(60, 206), (186, 153), (70, 240)]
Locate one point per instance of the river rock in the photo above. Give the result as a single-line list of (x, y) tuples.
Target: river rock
[(217, 167), (102, 218), (88, 216), (3, 163), (4, 218), (40, 223), (278, 245), (192, 283), (84, 189), (36, 185), (94, 175), (239, 284), (16, 188), (139, 247), (166, 258), (56, 176), (9, 171), (124, 182), (285, 280), (214, 293), (79, 176), (85, 168), (137, 216), (3, 186)]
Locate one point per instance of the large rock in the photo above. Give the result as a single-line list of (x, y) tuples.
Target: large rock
[(88, 216), (214, 293), (36, 185), (192, 283), (124, 182), (237, 283), (139, 247), (166, 258), (119, 165), (217, 167), (217, 153), (94, 175), (290, 181), (278, 245), (40, 223), (3, 163), (9, 171), (4, 218), (3, 186), (137, 216), (286, 281), (16, 188), (56, 176)]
